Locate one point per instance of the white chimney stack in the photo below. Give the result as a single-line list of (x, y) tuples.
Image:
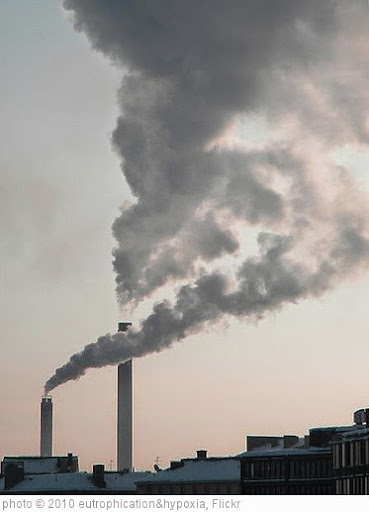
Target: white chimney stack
[(125, 420), (46, 444)]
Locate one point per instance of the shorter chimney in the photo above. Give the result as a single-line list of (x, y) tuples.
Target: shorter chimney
[(46, 442), (202, 454), (98, 475), (361, 417)]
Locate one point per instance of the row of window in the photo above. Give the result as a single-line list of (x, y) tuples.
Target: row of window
[(355, 485), (310, 468), (288, 468), (312, 489), (270, 489), (350, 453), (220, 488), (283, 489), (265, 469)]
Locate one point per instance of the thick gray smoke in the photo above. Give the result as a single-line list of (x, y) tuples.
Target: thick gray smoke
[(195, 71)]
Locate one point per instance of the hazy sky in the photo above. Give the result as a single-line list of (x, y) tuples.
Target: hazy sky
[(61, 189)]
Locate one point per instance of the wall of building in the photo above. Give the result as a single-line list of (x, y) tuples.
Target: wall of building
[(350, 462), (287, 474)]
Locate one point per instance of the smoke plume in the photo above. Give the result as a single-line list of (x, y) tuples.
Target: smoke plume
[(194, 74)]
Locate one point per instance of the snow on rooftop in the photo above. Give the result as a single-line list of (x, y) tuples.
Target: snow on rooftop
[(125, 482), (37, 465), (221, 470), (40, 466), (282, 452), (357, 430), (55, 482), (341, 428)]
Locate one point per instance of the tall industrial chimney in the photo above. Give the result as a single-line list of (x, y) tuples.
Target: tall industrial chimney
[(46, 444), (124, 444)]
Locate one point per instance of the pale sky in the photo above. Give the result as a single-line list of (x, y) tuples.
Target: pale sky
[(61, 188)]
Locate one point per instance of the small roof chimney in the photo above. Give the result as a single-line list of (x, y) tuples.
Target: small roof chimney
[(202, 454), (361, 416), (98, 475)]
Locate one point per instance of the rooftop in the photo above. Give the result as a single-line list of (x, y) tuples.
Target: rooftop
[(199, 470), (39, 465), (284, 452), (76, 482), (356, 431)]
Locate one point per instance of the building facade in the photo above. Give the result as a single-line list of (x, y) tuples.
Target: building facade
[(350, 461), (289, 464), (287, 471)]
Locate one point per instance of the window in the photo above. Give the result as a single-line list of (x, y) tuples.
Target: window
[(272, 469), (308, 468), (292, 468), (357, 448), (362, 452), (347, 454), (343, 454), (352, 454), (257, 469), (335, 452), (247, 469), (319, 467), (313, 467), (338, 487), (359, 485)]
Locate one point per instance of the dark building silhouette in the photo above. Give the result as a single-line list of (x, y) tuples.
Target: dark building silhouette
[(33, 465), (350, 457), (289, 465), (27, 475), (287, 471), (14, 470)]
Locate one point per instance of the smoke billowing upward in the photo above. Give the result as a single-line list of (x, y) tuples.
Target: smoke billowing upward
[(195, 72)]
